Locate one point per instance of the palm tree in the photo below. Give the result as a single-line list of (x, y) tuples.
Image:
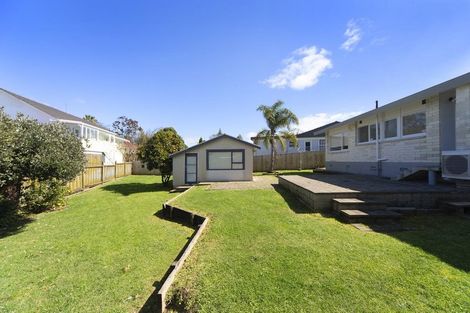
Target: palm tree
[(90, 118), (278, 120)]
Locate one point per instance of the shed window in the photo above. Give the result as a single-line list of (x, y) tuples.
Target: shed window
[(225, 159), (414, 124)]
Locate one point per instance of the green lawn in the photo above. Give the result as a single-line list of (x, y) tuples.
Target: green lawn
[(263, 253), (101, 254)]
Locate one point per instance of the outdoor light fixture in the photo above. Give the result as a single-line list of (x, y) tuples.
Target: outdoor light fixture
[(423, 101)]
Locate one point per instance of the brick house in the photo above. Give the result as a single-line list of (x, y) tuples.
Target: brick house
[(413, 132)]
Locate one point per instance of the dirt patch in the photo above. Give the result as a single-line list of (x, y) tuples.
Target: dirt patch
[(259, 182)]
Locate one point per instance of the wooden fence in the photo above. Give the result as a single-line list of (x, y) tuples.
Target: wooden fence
[(290, 161), (98, 174)]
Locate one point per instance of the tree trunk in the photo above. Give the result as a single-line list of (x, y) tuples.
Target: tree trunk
[(273, 156)]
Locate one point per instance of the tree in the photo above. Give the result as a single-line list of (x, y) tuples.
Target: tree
[(278, 120), (201, 140), (33, 153), (156, 151), (91, 119), (219, 133), (127, 128), (129, 151)]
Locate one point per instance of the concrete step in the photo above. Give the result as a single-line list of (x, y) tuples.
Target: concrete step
[(357, 204), (374, 216), (459, 207)]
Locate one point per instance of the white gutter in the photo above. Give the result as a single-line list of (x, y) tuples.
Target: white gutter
[(377, 148)]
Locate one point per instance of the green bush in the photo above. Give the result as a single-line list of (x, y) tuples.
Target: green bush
[(37, 196), (46, 154), (157, 149)]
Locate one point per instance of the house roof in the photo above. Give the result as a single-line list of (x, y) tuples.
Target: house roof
[(55, 113), (317, 132), (423, 94), (212, 140)]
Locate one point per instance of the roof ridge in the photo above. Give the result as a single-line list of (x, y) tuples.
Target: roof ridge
[(50, 110)]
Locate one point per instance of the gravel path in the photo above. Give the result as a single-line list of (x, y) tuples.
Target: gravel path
[(259, 182)]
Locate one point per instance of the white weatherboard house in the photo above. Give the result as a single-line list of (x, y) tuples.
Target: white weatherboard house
[(223, 158), (426, 131), (96, 140), (312, 140)]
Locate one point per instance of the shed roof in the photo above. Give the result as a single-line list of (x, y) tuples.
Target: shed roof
[(423, 94), (212, 140)]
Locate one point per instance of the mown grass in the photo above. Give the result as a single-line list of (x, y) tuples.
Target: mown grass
[(263, 253), (103, 253)]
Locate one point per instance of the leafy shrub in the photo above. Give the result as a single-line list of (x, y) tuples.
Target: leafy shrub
[(38, 196), (157, 149), (48, 154)]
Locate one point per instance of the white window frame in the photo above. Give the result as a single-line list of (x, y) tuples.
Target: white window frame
[(416, 135), (342, 149), (322, 145), (397, 119), (369, 133)]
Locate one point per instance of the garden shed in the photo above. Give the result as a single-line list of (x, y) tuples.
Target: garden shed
[(223, 158)]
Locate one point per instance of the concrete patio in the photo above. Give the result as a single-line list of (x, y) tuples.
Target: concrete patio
[(318, 190)]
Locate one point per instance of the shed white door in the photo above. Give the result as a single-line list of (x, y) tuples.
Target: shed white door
[(191, 168)]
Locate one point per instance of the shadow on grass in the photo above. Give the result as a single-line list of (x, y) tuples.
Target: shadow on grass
[(445, 237), (127, 189), (294, 204), (11, 221)]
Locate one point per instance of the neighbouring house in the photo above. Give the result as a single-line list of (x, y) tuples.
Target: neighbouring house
[(223, 158), (428, 131), (101, 145), (312, 140)]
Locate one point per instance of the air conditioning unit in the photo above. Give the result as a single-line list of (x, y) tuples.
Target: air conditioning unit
[(456, 164)]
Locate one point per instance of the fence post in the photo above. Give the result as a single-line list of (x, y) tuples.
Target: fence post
[(115, 169), (124, 168), (102, 172), (82, 181)]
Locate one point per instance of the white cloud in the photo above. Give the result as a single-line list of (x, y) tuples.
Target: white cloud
[(319, 119), (248, 136), (353, 35), (191, 141), (302, 70)]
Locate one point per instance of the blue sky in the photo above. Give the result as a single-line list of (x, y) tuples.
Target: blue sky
[(203, 65)]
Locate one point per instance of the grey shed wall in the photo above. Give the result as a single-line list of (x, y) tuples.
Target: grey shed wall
[(205, 175)]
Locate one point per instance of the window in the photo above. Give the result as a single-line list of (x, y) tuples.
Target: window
[(373, 132), (414, 124), (291, 144), (308, 146), (90, 133), (103, 136), (225, 159), (391, 128), (363, 134), (322, 143), (367, 133), (338, 142)]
